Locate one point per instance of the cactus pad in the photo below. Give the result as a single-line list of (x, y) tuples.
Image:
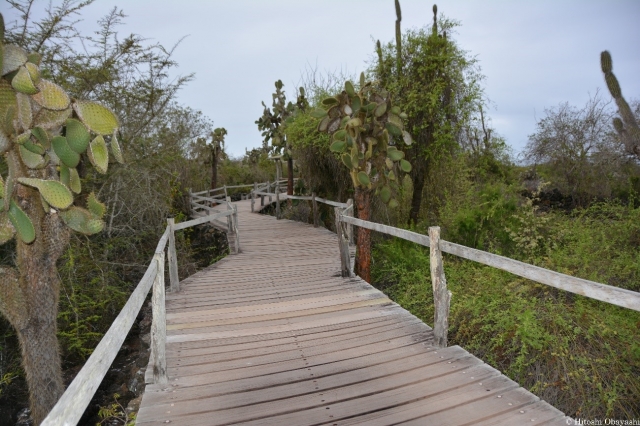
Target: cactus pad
[(31, 159), (405, 166), (41, 136), (394, 154), (13, 58), (54, 192), (338, 146), (96, 208), (380, 109), (406, 137), (21, 223), (36, 148), (74, 181), (78, 136), (69, 157), (115, 149), (385, 194), (24, 110), (50, 119), (65, 175), (98, 154), (34, 58), (52, 96), (363, 179), (99, 119), (33, 72), (22, 82), (81, 220)]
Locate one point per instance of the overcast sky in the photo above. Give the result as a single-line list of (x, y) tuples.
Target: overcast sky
[(534, 54)]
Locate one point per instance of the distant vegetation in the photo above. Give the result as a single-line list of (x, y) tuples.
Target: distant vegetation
[(570, 203)]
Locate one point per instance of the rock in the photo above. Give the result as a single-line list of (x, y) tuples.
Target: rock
[(133, 406)]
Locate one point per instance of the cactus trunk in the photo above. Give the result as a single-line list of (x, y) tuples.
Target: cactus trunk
[(214, 169), (363, 241), (290, 176), (29, 297)]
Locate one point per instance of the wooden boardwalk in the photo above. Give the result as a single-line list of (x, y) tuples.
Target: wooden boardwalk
[(274, 336)]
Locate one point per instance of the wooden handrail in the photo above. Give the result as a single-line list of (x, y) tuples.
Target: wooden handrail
[(72, 404), (594, 290)]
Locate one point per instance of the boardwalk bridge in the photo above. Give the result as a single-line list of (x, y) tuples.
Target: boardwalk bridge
[(281, 332)]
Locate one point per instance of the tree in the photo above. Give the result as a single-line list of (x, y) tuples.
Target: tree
[(43, 135), (216, 147), (437, 85), (579, 146), (272, 126), (366, 129)]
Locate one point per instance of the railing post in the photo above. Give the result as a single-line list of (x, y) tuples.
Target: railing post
[(173, 260), (343, 245), (351, 213), (229, 218), (441, 296), (315, 209), (225, 192), (278, 200), (159, 324), (235, 228), (253, 195)]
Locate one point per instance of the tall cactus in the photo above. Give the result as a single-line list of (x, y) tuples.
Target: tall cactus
[(627, 126), (398, 38), (43, 136), (216, 146), (271, 121), (365, 129)]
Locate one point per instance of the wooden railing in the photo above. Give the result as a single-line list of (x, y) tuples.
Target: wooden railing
[(441, 295), (71, 406)]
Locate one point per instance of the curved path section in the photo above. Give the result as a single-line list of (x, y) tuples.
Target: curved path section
[(274, 336)]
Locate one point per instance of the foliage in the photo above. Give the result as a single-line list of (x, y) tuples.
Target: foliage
[(580, 150), (437, 84), (115, 412), (580, 355)]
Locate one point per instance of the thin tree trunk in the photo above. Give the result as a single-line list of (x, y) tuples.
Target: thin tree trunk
[(418, 179), (214, 169), (363, 241), (290, 176)]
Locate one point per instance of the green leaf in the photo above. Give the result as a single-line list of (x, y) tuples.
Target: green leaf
[(54, 192), (338, 146), (363, 178), (393, 129), (98, 154), (405, 166), (22, 224), (98, 118)]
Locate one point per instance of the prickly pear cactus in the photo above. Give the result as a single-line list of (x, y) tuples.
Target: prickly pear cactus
[(273, 118), (626, 125), (366, 131), (43, 135)]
